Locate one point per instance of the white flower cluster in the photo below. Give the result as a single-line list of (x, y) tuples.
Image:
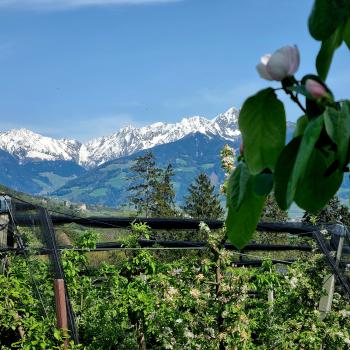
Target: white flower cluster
[(227, 163), (344, 313), (204, 228), (228, 156), (171, 293), (195, 293), (175, 272), (188, 334), (293, 282)]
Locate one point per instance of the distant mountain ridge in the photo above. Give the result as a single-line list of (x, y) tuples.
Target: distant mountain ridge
[(107, 184), (26, 145), (36, 177), (97, 172)]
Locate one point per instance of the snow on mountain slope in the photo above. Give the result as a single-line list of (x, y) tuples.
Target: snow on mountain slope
[(25, 144), (130, 140), (226, 124)]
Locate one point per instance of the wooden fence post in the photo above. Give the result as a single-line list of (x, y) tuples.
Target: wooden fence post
[(270, 299), (61, 308), (4, 220), (326, 300)]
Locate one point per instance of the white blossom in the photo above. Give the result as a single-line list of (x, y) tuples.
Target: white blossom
[(293, 282), (281, 64)]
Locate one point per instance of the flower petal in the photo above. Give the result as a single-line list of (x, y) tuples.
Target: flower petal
[(261, 68), (315, 89), (295, 60), (278, 65), (265, 59)]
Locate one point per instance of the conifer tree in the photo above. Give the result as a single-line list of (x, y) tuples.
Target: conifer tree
[(202, 202), (143, 182), (333, 212), (272, 212), (163, 198)]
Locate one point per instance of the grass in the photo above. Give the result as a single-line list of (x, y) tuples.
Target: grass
[(57, 181), (117, 182)]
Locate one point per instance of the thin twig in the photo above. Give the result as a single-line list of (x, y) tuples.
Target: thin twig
[(295, 99)]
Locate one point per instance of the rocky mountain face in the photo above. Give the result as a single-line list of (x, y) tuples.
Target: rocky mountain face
[(36, 177), (26, 145), (107, 184), (97, 172)]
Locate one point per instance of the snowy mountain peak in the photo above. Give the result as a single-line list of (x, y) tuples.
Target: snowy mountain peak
[(126, 129), (230, 116), (19, 133), (25, 144), (226, 124), (157, 125), (194, 120)]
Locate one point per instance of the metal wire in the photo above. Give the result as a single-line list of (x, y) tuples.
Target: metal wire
[(48, 233), (66, 214), (22, 247), (261, 257)]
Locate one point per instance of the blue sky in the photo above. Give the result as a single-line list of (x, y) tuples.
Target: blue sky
[(84, 68)]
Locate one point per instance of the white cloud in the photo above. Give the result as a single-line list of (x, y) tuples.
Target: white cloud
[(67, 4)]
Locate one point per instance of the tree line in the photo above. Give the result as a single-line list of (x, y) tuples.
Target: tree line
[(152, 193)]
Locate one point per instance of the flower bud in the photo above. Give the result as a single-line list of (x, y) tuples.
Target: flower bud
[(315, 89), (283, 63)]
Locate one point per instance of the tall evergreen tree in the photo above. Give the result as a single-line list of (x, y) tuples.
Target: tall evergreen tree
[(163, 198), (333, 212), (202, 202), (272, 212), (143, 181)]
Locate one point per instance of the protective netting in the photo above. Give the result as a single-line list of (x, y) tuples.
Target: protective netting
[(30, 232), (41, 235)]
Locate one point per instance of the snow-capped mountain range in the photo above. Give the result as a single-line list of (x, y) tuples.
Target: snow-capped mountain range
[(27, 145)]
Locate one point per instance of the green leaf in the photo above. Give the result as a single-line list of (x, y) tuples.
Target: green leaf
[(57, 334), (241, 223), (315, 189), (283, 171), (262, 184), (236, 187), (307, 145), (326, 17), (337, 125), (243, 180), (262, 122), (325, 55), (232, 190), (346, 34), (302, 123)]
